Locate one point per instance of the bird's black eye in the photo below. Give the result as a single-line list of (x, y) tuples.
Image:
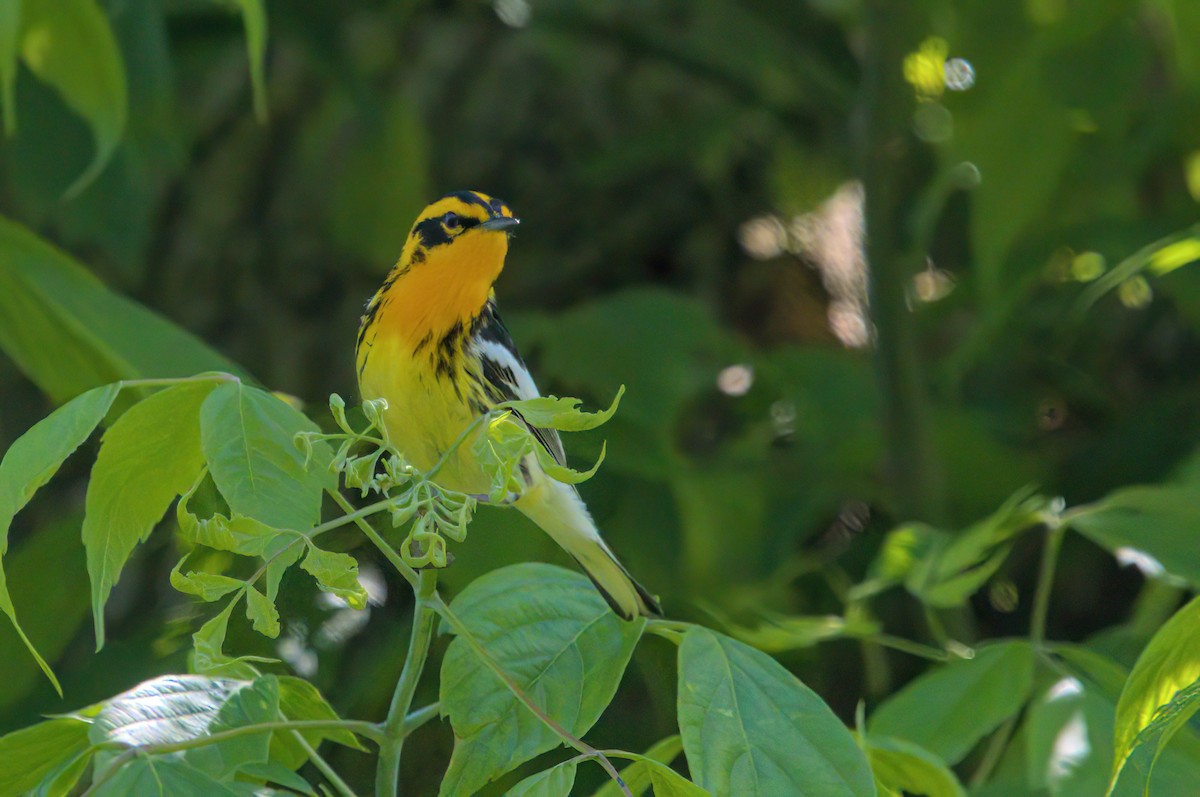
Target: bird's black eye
[(451, 221)]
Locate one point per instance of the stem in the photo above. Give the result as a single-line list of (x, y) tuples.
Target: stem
[(886, 168), (394, 558), (216, 376), (321, 764), (1041, 598), (388, 774), (995, 749), (421, 716)]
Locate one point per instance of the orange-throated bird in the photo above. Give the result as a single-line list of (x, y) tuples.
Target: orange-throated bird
[(432, 345)]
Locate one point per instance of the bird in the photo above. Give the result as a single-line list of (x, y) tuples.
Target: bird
[(432, 345)]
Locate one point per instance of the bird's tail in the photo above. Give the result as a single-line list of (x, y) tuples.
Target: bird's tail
[(560, 512)]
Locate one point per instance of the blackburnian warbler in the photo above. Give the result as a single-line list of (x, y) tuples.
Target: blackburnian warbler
[(432, 345)]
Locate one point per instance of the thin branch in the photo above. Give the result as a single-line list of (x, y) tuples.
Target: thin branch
[(1041, 598)]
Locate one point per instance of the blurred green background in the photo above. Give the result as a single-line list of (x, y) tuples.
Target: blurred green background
[(687, 175)]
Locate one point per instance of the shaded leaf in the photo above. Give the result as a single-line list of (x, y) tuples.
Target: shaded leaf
[(10, 28), (147, 458), (750, 727), (254, 20), (69, 45), (69, 333), (557, 640), (252, 704), (31, 461), (30, 754), (950, 708)]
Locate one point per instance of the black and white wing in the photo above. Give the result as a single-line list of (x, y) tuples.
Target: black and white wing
[(505, 373)]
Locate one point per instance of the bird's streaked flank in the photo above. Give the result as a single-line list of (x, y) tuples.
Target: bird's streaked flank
[(432, 345)]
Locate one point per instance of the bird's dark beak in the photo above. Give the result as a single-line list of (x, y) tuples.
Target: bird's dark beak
[(500, 223)]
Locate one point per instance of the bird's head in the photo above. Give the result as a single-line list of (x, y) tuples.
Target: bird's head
[(463, 231)]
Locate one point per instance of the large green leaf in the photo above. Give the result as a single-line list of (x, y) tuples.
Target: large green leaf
[(31, 461), (750, 727), (69, 45), (558, 642), (28, 755), (147, 458), (248, 442), (1161, 694), (69, 333), (949, 709), (1160, 521)]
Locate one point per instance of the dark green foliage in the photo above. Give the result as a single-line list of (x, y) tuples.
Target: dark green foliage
[(881, 512)]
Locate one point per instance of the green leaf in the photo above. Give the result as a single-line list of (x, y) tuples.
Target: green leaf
[(1161, 694), (262, 613), (554, 782), (239, 534), (551, 412), (254, 19), (152, 776), (69, 45), (252, 704), (206, 586), (207, 643), (561, 472), (950, 708), (1160, 521), (750, 727), (247, 436), (558, 642), (906, 767), (30, 754), (637, 776), (300, 700), (147, 458), (68, 333), (10, 29), (500, 449), (336, 573), (31, 461)]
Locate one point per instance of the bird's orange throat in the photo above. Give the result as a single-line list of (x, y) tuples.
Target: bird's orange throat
[(439, 289)]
